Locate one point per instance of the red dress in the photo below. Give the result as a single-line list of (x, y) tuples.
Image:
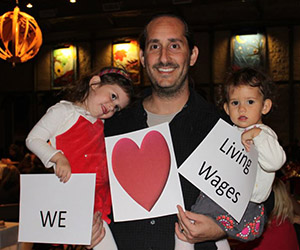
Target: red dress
[(83, 145)]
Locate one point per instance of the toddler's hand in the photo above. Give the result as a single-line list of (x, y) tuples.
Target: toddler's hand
[(247, 137), (63, 168)]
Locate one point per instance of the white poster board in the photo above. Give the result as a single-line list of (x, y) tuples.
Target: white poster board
[(143, 174), (56, 212), (222, 169)]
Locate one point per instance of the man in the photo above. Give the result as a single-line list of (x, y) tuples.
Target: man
[(167, 52)]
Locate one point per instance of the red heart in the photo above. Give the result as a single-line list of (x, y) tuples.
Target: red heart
[(142, 172)]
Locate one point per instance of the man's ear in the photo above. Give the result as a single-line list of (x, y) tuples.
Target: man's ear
[(226, 108), (95, 80), (194, 56), (142, 57), (267, 106)]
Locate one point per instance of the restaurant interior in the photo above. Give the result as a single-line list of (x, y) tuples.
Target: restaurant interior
[(75, 37)]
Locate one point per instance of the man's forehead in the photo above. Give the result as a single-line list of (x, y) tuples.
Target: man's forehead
[(169, 28), (165, 21)]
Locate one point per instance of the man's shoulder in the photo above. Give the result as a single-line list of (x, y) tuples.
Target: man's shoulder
[(204, 111), (201, 106), (129, 119)]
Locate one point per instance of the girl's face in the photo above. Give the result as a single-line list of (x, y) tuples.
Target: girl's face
[(104, 100), (246, 106)]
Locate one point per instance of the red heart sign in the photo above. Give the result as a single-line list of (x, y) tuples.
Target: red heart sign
[(142, 172)]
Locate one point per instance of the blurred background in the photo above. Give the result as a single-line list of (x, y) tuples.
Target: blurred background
[(84, 35)]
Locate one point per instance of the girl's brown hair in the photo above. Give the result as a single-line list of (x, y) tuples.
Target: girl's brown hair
[(79, 90), (249, 77)]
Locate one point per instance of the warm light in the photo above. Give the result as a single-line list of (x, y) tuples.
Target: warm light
[(20, 35), (126, 55), (122, 46), (67, 52), (63, 65), (72, 1), (29, 5)]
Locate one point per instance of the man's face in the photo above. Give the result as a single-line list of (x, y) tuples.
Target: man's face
[(167, 56)]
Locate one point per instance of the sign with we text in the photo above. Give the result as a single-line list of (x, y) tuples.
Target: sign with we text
[(56, 212)]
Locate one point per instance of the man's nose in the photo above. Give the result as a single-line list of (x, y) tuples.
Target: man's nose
[(164, 55)]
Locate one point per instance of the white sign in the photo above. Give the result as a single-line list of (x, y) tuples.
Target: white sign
[(143, 174), (222, 169), (56, 212)]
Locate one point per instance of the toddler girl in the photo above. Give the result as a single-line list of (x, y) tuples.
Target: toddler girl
[(70, 135), (246, 97)]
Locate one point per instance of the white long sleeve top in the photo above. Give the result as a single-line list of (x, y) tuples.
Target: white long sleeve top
[(58, 119), (271, 158)]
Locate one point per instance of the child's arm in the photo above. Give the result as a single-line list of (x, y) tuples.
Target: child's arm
[(46, 128), (248, 135), (271, 158), (63, 168), (270, 154)]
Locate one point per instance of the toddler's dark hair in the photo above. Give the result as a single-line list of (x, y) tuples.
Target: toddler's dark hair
[(249, 77), (78, 91)]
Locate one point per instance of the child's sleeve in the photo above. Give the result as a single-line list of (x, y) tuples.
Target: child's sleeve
[(37, 140), (271, 155)]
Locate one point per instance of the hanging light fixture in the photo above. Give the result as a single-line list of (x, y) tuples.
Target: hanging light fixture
[(29, 5), (20, 36)]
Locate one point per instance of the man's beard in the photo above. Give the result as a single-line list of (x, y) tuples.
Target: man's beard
[(172, 91)]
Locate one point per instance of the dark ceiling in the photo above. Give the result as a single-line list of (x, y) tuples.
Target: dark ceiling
[(109, 18)]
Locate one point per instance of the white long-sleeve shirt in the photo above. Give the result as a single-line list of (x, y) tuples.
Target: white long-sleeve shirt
[(58, 119), (271, 158)]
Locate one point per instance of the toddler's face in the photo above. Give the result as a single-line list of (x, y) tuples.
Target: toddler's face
[(104, 100), (246, 106)]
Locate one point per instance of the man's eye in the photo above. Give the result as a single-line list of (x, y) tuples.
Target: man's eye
[(251, 101), (113, 97), (154, 46), (234, 103), (174, 46)]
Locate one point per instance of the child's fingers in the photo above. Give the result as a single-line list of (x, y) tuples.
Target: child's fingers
[(67, 177), (58, 173), (63, 174)]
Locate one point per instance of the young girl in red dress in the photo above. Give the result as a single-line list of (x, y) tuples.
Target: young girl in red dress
[(70, 138)]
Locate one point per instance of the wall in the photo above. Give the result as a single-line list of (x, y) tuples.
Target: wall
[(33, 79)]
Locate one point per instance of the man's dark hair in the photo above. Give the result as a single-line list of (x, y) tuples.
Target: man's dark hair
[(188, 33)]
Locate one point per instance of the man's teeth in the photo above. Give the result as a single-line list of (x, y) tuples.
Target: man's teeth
[(166, 70)]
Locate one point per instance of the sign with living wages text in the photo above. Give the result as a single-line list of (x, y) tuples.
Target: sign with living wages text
[(222, 169), (56, 212)]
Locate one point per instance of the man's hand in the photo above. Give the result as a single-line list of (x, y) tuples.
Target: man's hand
[(194, 228), (98, 231)]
